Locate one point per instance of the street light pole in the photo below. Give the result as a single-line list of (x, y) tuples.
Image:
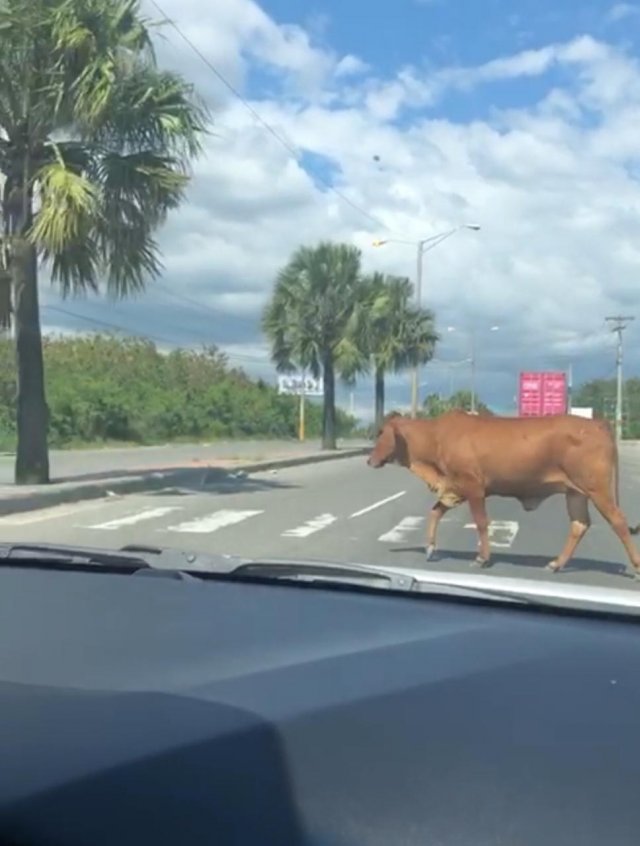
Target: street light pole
[(423, 245)]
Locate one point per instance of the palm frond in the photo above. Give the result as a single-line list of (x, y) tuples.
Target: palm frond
[(75, 268), (139, 183), (93, 41), (124, 133), (152, 110), (313, 301), (68, 207)]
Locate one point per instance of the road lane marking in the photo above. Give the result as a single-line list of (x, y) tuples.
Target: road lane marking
[(138, 517), (311, 526), (502, 533), (377, 504), (213, 522), (404, 527), (51, 513)]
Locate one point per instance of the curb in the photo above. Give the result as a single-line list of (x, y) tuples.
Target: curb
[(156, 480)]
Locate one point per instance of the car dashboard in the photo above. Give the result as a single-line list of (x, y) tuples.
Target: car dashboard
[(160, 711)]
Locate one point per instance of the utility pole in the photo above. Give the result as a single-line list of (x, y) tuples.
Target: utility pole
[(618, 325), (415, 376)]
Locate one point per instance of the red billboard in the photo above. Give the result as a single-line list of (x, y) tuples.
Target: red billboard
[(542, 393)]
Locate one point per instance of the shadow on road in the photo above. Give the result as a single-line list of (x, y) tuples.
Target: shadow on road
[(219, 481), (536, 562), (191, 480)]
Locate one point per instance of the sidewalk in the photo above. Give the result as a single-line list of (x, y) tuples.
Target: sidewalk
[(89, 474)]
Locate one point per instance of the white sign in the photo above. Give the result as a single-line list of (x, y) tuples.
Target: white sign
[(296, 384), (583, 411)]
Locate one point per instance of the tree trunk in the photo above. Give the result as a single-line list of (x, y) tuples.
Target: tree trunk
[(379, 400), (32, 458), (329, 405)]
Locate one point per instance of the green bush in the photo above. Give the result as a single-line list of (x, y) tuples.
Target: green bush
[(104, 388)]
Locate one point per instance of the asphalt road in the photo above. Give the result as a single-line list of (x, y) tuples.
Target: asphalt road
[(340, 510)]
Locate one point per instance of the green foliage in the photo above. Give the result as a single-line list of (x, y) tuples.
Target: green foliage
[(313, 299), (94, 136), (307, 320), (434, 404), (95, 147), (102, 388), (387, 331), (600, 394)]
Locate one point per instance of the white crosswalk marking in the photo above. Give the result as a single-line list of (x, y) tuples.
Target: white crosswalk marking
[(404, 527), (138, 517), (212, 522), (55, 512), (311, 526), (502, 533)]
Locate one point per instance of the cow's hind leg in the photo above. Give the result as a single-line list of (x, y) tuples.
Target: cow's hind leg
[(578, 508), (436, 514), (612, 513), (479, 514)]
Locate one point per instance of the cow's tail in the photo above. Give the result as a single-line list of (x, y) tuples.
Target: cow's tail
[(616, 490)]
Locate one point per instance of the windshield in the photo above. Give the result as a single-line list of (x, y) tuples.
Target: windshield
[(324, 285)]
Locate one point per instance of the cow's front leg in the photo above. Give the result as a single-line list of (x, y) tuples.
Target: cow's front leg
[(479, 514), (578, 508), (435, 515)]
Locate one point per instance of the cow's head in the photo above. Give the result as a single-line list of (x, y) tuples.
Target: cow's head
[(389, 445)]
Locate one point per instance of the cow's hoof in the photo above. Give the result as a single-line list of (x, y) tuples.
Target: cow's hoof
[(553, 567), (430, 552)]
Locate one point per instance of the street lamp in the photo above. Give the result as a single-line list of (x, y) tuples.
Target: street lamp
[(422, 246), (472, 361)]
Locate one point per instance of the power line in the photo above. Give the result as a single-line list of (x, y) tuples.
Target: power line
[(199, 305), (289, 147), (145, 335), (107, 325)]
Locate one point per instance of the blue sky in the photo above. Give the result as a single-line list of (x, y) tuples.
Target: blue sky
[(521, 116)]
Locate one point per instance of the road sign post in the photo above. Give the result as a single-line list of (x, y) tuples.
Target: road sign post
[(302, 386)]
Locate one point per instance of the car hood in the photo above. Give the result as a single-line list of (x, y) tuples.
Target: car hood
[(137, 711)]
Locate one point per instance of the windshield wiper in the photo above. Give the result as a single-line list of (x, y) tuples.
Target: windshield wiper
[(178, 564), (320, 571), (67, 557), (181, 565), (367, 575)]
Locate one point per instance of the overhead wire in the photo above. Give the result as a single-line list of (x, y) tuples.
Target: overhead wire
[(258, 117), (145, 335)]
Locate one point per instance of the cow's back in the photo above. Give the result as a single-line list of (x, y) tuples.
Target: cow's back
[(510, 454)]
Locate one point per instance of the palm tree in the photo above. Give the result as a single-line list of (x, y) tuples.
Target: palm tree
[(94, 146), (308, 316), (391, 332)]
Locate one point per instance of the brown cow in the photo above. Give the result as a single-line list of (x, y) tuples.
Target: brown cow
[(466, 458)]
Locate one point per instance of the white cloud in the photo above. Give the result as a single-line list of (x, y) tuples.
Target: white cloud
[(620, 11), (350, 66), (554, 185)]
